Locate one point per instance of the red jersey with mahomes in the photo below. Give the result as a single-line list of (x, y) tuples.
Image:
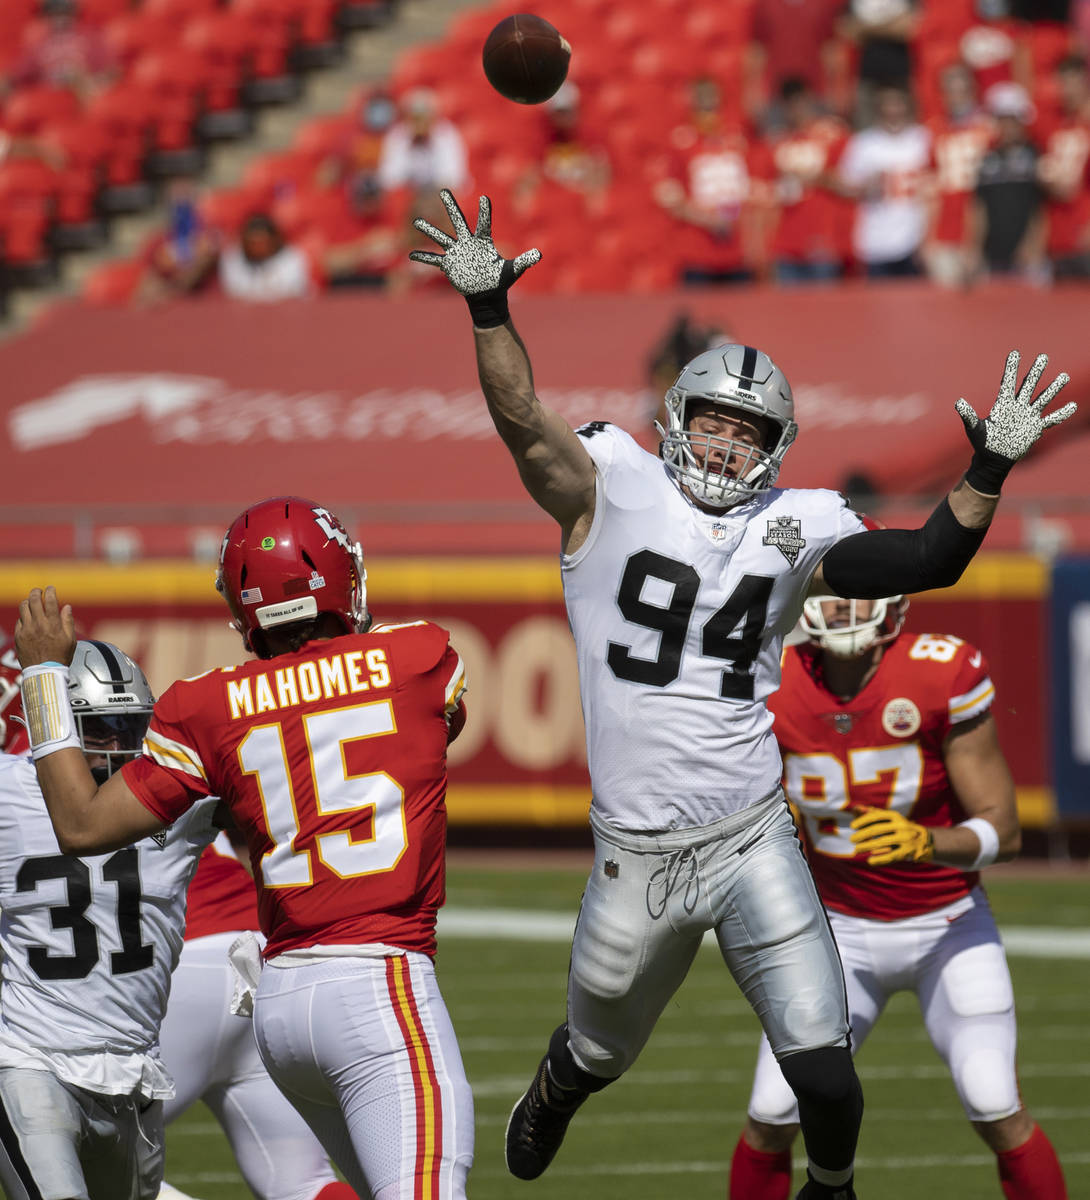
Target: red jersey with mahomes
[(883, 748), (956, 150), (221, 897), (332, 761)]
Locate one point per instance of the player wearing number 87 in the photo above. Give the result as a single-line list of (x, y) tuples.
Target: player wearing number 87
[(329, 750), (892, 761), (88, 947), (682, 573)]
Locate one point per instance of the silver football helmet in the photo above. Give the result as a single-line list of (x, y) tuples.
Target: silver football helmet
[(857, 635), (733, 377), (111, 701)]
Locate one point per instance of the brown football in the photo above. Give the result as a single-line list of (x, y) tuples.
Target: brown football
[(525, 58)]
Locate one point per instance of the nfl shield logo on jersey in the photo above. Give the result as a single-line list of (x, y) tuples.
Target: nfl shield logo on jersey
[(785, 533), (718, 532)]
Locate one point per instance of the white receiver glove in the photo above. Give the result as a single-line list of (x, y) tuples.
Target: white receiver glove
[(472, 263), (1014, 424)]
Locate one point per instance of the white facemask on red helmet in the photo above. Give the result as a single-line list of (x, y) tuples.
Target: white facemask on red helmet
[(854, 635), (286, 560)]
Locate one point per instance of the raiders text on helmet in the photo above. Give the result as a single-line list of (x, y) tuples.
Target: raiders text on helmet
[(287, 560), (735, 378), (111, 702)]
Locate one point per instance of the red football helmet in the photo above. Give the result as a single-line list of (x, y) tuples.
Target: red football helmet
[(287, 560), (14, 738)]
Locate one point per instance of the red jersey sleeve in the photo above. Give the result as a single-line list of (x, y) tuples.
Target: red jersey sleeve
[(169, 776)]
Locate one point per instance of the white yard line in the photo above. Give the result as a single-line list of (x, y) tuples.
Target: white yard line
[(525, 925)]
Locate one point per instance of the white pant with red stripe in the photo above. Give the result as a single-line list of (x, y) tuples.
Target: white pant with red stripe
[(365, 1051)]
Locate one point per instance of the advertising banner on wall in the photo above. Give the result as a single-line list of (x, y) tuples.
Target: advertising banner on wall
[(521, 759), (167, 421), (1070, 656)]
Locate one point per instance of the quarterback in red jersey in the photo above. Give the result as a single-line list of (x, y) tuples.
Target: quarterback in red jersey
[(329, 750), (211, 1054), (892, 762)]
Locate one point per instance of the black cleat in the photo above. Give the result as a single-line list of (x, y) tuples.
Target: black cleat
[(538, 1123)]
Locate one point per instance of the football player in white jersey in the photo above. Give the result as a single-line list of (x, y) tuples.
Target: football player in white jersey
[(682, 574), (892, 761), (88, 948)]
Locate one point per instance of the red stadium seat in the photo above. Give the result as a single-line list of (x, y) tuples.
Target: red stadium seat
[(113, 283), (224, 45), (322, 137), (227, 208), (27, 203), (174, 82), (122, 122), (31, 109), (274, 176), (98, 12), (178, 12), (138, 33)]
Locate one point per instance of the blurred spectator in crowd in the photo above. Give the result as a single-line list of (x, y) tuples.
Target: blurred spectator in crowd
[(884, 167), (882, 32), (261, 266), (795, 39), (1065, 172), (717, 191), (959, 138), (370, 249), (992, 47), (1007, 224), (63, 51), (355, 161), (422, 151), (569, 158), (23, 146), (181, 259), (682, 341), (806, 240), (1080, 20)]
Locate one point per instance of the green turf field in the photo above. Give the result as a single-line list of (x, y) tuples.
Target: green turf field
[(667, 1129)]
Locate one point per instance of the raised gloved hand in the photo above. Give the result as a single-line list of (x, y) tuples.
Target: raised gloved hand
[(472, 263), (1016, 421), (888, 837)]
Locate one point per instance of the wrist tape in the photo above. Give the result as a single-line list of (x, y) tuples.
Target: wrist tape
[(49, 717), (988, 838), (987, 471)]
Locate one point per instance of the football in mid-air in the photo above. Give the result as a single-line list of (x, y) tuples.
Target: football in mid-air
[(525, 59)]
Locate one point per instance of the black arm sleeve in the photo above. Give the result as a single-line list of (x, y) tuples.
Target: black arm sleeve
[(888, 562)]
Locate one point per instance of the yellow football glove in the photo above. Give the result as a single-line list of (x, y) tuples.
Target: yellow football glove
[(888, 837)]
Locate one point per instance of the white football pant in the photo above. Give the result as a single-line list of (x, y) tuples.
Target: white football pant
[(213, 1057), (953, 960), (60, 1142), (365, 1051), (649, 901)]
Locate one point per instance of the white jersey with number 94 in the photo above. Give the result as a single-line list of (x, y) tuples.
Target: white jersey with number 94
[(679, 618)]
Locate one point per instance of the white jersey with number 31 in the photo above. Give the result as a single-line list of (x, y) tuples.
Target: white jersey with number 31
[(679, 618), (89, 943)]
